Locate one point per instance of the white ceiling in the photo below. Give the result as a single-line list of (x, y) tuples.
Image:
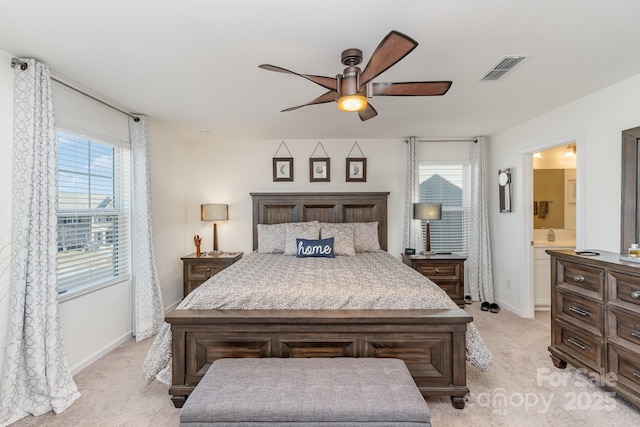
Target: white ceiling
[(193, 64)]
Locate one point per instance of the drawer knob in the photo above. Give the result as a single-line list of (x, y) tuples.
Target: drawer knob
[(578, 344), (636, 374), (579, 311), (635, 294), (578, 278), (208, 268), (635, 334), (437, 270)]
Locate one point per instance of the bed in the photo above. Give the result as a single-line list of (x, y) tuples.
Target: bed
[(403, 316)]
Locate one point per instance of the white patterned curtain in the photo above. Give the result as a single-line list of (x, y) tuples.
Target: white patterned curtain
[(412, 232), (479, 265), (36, 378), (149, 311)]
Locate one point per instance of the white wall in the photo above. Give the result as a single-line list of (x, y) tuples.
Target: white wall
[(6, 195), (600, 117), (170, 187), (226, 172)]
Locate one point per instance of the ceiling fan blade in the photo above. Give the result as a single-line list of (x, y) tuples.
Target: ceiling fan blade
[(391, 49), (367, 113), (327, 97), (326, 82), (411, 88)]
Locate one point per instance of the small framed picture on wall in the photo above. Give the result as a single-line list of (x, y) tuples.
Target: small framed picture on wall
[(319, 169), (283, 169), (356, 169)]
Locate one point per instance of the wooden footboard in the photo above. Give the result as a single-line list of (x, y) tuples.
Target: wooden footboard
[(430, 342)]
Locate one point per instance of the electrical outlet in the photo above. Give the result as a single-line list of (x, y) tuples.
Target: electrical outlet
[(508, 284)]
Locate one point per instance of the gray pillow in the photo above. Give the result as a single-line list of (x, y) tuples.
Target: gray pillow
[(299, 230), (271, 238), (343, 237), (365, 237)]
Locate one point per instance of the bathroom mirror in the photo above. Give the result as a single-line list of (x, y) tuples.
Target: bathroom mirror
[(554, 188)]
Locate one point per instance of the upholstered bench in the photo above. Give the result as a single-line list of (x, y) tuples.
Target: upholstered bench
[(306, 392)]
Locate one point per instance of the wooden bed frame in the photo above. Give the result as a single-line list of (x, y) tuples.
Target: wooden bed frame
[(430, 342)]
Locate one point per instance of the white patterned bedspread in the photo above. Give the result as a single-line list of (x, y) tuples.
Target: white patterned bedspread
[(373, 280)]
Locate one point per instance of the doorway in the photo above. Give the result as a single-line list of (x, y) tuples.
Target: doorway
[(552, 200)]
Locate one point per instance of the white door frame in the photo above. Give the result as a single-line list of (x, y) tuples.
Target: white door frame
[(526, 220)]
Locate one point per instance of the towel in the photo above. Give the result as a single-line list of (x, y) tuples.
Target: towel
[(543, 209)]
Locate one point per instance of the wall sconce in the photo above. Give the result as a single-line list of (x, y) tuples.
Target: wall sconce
[(214, 212), (427, 211)]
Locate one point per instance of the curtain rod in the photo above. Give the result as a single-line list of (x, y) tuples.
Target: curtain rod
[(23, 66), (448, 140)]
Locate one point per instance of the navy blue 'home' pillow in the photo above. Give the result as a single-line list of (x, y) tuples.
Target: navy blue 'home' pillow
[(314, 248)]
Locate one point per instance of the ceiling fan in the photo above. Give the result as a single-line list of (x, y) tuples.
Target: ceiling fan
[(352, 88)]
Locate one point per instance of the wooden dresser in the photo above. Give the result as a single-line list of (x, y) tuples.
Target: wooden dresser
[(595, 318), (196, 270), (446, 271)]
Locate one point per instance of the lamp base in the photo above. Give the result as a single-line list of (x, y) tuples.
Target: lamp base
[(215, 253), (427, 253)]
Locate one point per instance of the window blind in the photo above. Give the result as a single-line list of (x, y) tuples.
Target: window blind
[(93, 213), (448, 184)]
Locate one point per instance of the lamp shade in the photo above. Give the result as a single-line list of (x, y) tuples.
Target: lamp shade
[(427, 210), (214, 212)]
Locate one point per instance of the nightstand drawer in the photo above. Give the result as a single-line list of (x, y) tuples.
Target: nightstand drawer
[(203, 270), (439, 270), (446, 271), (197, 270)]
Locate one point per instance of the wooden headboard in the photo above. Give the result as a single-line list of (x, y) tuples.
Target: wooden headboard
[(275, 208)]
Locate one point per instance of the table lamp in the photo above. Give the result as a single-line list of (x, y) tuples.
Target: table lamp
[(214, 212), (427, 211)]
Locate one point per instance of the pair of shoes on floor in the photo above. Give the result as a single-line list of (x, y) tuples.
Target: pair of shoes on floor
[(493, 307)]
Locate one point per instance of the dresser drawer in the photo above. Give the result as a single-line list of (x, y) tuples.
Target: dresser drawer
[(626, 366), (624, 290), (625, 327), (581, 312), (580, 278), (437, 271), (583, 346)]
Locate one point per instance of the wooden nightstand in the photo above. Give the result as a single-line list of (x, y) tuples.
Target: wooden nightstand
[(446, 271), (197, 270)]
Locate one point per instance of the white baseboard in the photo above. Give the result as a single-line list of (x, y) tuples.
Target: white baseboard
[(110, 347), (509, 307), (100, 353)]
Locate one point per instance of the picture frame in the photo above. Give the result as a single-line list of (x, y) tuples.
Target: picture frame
[(282, 169), (356, 170), (319, 169)]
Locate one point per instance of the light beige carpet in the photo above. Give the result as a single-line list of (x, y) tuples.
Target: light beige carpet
[(523, 388)]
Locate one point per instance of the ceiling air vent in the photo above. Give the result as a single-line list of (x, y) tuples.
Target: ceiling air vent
[(505, 65)]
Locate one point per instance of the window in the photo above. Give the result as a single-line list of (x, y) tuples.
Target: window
[(448, 184), (93, 213)]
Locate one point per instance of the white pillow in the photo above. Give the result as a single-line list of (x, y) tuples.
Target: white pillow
[(343, 237), (365, 236), (299, 230), (271, 238)]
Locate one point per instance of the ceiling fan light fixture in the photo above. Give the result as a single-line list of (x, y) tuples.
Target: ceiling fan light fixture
[(352, 103)]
